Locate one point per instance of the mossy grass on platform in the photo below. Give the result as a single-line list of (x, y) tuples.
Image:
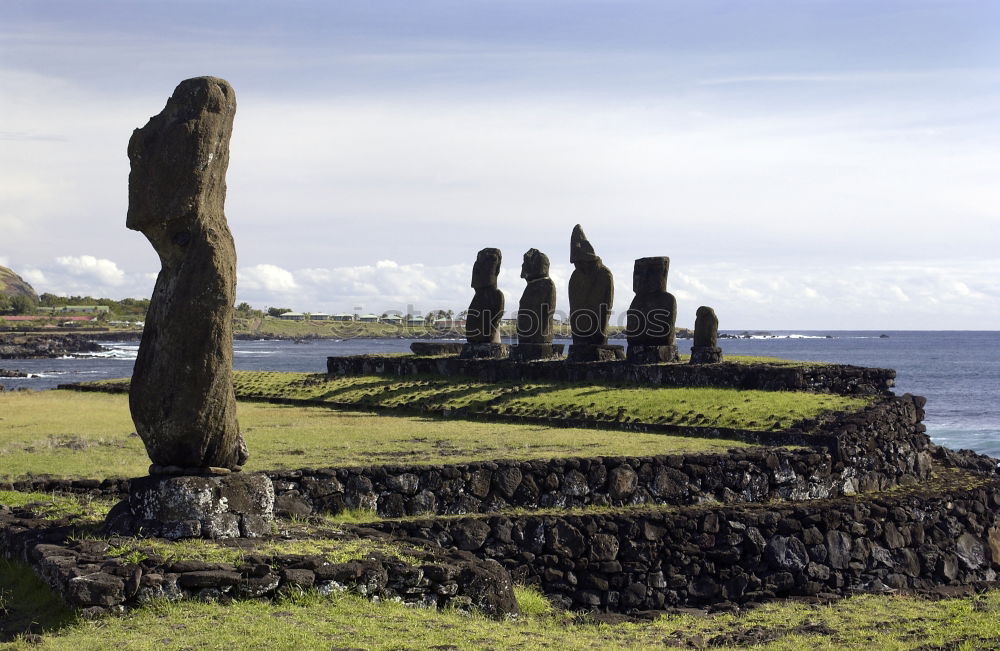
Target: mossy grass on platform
[(703, 407), (90, 435), (311, 621), (607, 404)]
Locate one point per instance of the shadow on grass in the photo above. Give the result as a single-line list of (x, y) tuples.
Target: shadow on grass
[(27, 605)]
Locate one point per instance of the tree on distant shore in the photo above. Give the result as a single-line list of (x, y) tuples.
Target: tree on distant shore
[(130, 307), (21, 304), (277, 311)]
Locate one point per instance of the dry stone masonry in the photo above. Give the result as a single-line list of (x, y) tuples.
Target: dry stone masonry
[(89, 577)]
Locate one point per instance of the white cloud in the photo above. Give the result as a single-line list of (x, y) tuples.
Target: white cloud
[(778, 297), (373, 176), (86, 275), (103, 271), (35, 277), (269, 277)]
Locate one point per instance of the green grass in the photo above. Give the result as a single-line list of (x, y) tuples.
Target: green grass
[(91, 435), (702, 407), (309, 621), (53, 507), (335, 548)]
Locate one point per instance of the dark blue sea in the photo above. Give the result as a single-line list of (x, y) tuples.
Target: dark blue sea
[(958, 372)]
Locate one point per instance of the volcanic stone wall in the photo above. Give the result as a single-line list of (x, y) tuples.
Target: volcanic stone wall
[(701, 556), (87, 577), (879, 447), (823, 378)]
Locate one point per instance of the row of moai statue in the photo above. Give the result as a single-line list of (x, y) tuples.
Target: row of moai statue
[(650, 319)]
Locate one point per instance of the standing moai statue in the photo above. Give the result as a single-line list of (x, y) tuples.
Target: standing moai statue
[(482, 322), (181, 396), (651, 316), (534, 315), (706, 337), (591, 295)]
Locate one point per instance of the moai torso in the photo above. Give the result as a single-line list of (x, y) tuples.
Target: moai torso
[(653, 312), (534, 315), (706, 328), (181, 395), (482, 323), (591, 293)]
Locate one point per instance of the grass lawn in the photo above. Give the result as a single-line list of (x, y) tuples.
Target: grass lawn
[(311, 621), (704, 407), (91, 435)]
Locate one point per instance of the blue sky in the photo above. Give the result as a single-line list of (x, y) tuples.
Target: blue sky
[(804, 164)]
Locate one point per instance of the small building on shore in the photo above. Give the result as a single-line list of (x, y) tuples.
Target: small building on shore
[(368, 318), (292, 316), (319, 316), (343, 316)]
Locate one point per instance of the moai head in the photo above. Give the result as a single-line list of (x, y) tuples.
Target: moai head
[(535, 265), (650, 275), (178, 169), (580, 249), (486, 269)]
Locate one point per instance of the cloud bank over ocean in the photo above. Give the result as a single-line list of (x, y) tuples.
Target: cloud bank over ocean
[(880, 296), (807, 155)]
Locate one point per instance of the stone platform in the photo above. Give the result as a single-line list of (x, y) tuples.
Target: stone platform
[(595, 353), (484, 351), (238, 505), (435, 348), (818, 377), (706, 355), (643, 354), (530, 352)]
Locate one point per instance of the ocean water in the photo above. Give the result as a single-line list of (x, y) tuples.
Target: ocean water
[(958, 372)]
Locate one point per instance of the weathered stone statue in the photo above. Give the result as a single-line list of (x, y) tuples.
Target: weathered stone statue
[(591, 295), (651, 317), (706, 337), (482, 322), (534, 315), (181, 396)]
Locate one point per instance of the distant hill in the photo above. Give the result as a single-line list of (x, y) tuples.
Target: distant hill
[(13, 285)]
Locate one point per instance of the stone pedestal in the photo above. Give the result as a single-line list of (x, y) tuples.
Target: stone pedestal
[(435, 348), (529, 352), (643, 354), (706, 355), (484, 351), (237, 505), (595, 353)]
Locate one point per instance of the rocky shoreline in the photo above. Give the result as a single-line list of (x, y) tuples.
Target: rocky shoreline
[(21, 346)]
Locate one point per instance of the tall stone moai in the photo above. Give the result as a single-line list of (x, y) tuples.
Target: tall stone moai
[(181, 396), (591, 295), (482, 322), (649, 327), (706, 337), (534, 314)]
